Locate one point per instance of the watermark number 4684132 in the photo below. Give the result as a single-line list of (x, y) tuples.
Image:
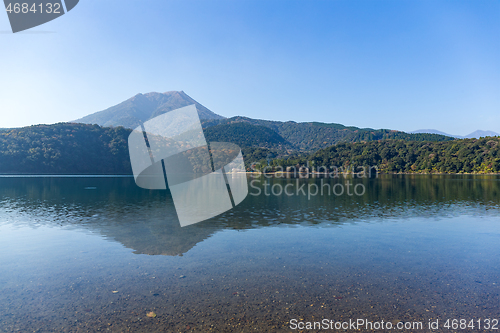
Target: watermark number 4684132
[(26, 14)]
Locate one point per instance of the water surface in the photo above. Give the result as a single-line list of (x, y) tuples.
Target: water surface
[(88, 254)]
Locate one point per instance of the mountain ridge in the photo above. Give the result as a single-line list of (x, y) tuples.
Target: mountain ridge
[(315, 135), (304, 136), (474, 135)]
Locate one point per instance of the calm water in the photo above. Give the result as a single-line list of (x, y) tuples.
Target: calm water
[(89, 254)]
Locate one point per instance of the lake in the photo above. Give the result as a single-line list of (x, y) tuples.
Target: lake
[(82, 254)]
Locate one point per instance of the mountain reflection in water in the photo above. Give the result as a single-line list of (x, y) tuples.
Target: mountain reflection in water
[(146, 222)]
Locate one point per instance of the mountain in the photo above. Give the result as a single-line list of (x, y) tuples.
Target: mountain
[(142, 107), (474, 135), (433, 131), (481, 134)]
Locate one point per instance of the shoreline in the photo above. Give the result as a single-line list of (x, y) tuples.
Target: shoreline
[(252, 173), (380, 173)]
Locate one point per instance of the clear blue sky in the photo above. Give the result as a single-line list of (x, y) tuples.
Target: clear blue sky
[(396, 64)]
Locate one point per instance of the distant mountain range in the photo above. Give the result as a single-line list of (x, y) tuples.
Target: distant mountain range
[(142, 107), (255, 132), (245, 131), (474, 135)]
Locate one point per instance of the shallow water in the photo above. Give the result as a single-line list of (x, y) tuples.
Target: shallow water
[(89, 254)]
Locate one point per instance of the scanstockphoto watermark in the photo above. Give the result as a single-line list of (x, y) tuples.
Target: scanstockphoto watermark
[(262, 185), (358, 324), (299, 188)]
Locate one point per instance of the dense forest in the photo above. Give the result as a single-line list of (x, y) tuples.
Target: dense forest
[(246, 135), (68, 148), (90, 149), (399, 156)]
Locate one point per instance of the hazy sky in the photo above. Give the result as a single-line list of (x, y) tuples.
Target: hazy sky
[(397, 64)]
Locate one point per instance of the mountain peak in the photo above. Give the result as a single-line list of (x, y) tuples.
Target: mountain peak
[(142, 107), (480, 133)]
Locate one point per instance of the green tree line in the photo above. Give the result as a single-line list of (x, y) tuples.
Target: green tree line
[(400, 156)]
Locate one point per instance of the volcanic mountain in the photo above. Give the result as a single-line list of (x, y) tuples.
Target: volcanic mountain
[(142, 107)]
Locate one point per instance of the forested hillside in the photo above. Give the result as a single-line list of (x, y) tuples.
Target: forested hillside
[(90, 149), (246, 135), (65, 149), (313, 136), (395, 156)]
